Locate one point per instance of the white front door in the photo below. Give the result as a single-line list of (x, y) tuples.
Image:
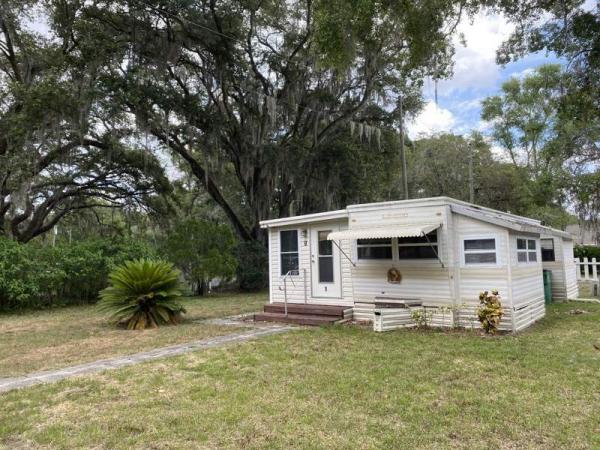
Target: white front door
[(325, 264)]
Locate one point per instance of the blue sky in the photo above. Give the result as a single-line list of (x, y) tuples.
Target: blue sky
[(476, 76)]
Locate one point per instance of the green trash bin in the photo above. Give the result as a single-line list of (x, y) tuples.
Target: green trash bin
[(547, 286)]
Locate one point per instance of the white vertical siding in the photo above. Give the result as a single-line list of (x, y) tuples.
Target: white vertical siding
[(422, 279), (473, 278), (295, 284), (564, 275), (520, 285), (527, 285), (557, 267), (346, 268), (299, 286), (571, 288)]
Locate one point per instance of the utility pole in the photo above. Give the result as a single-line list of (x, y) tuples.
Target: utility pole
[(402, 154), (471, 188)]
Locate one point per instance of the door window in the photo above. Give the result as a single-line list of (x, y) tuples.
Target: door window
[(325, 258)]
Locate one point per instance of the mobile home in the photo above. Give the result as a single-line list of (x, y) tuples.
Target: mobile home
[(436, 253)]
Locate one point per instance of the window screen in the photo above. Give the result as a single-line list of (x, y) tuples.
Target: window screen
[(420, 247), (289, 251), (374, 248), (480, 251), (547, 246)]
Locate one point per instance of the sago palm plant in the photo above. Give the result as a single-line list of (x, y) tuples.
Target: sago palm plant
[(142, 294)]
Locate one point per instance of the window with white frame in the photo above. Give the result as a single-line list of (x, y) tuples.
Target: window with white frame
[(420, 247), (374, 248), (479, 251), (288, 242), (526, 250)]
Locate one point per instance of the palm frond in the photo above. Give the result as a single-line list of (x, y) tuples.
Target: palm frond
[(142, 294)]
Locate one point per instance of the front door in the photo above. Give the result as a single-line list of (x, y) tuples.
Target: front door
[(325, 264)]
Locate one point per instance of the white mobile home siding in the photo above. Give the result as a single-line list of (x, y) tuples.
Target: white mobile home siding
[(423, 279), (298, 286), (564, 276), (527, 285), (455, 284), (571, 287), (477, 278), (557, 267)]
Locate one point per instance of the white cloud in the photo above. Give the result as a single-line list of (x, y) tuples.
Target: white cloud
[(475, 64), (523, 73), (432, 119), (590, 5)]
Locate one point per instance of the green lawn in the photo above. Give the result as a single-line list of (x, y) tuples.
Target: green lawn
[(338, 387), (60, 337)]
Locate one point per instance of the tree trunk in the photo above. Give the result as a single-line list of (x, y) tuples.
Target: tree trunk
[(202, 288)]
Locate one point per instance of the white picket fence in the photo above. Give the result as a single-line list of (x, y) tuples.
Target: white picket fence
[(587, 269)]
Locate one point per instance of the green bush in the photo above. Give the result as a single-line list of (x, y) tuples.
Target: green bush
[(143, 294), (202, 250), (490, 311), (587, 251), (36, 276), (252, 269)]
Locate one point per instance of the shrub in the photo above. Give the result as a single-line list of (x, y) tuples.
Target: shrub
[(202, 250), (489, 312), (35, 276), (587, 251), (252, 268), (26, 278), (142, 294)]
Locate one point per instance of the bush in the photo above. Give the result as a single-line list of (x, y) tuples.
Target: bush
[(252, 268), (490, 312), (35, 276), (202, 250), (26, 278), (587, 251), (142, 294)]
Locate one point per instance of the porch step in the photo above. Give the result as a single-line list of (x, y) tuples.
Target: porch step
[(301, 308), (303, 314), (299, 319)]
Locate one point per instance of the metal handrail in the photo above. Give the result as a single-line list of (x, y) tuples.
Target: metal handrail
[(285, 277)]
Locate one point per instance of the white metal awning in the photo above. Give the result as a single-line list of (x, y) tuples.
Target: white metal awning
[(389, 231)]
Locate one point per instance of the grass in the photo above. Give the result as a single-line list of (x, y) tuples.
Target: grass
[(339, 387), (60, 337)]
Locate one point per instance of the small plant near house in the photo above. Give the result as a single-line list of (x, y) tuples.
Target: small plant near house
[(142, 294), (421, 317), (490, 311)]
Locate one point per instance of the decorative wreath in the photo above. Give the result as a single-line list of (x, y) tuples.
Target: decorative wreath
[(394, 275)]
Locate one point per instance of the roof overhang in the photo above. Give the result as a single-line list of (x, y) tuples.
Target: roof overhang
[(515, 223), (559, 233), (306, 218), (390, 231)]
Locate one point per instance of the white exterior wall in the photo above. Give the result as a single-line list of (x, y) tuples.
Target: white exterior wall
[(299, 285), (477, 278), (559, 291), (423, 279), (571, 287), (458, 284), (527, 285), (564, 270)]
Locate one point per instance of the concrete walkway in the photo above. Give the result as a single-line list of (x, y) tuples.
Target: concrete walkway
[(8, 384)]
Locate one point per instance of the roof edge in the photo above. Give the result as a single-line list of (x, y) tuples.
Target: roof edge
[(283, 221)]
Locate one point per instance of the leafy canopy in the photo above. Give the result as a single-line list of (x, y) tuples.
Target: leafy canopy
[(202, 249)]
